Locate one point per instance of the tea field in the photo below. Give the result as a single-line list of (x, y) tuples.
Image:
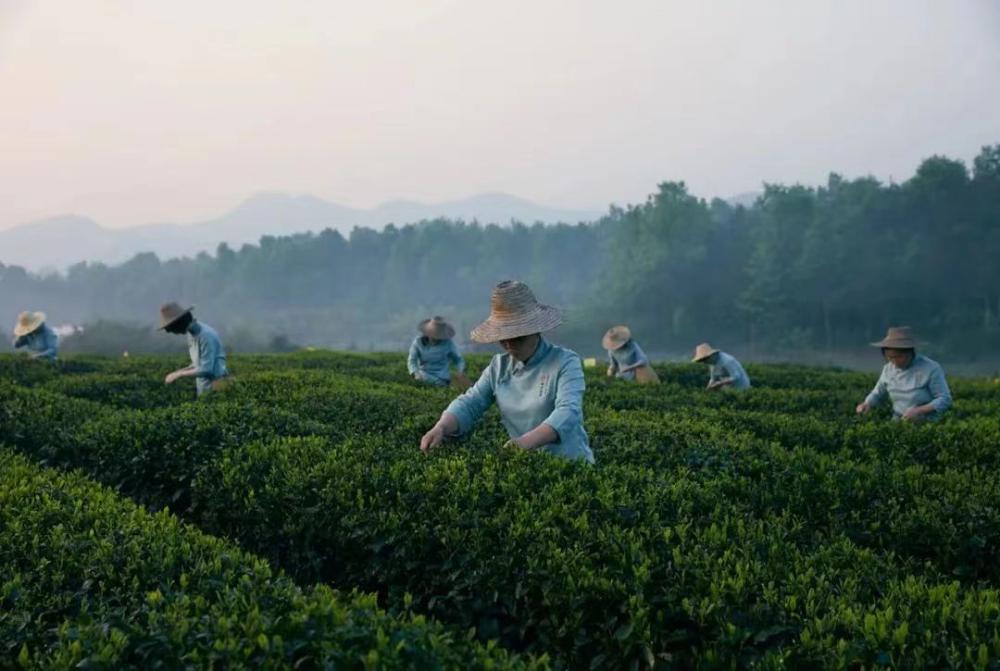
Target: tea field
[(291, 522)]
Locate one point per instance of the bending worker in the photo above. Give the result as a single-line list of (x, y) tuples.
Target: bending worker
[(626, 360), (208, 358), (537, 386), (725, 372), (432, 352), (32, 333), (914, 383)]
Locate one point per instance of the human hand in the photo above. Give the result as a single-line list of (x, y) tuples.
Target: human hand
[(862, 408), (432, 438), (171, 378), (913, 415)]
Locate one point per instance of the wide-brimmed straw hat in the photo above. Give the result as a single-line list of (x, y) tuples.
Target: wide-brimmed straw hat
[(437, 328), (616, 337), (515, 312), (28, 322), (171, 312), (898, 337), (703, 351)]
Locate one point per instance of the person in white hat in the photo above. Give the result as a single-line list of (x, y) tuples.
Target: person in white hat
[(725, 372), (626, 360), (432, 353), (32, 333), (915, 384), (537, 386), (208, 357)]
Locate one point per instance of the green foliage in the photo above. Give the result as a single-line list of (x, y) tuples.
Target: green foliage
[(771, 528), (823, 268), (92, 581)]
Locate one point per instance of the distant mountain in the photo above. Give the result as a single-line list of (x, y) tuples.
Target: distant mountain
[(58, 242)]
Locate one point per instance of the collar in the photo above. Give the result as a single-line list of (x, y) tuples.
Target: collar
[(195, 328), (913, 364), (540, 353)]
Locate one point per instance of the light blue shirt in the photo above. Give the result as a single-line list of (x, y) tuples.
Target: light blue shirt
[(727, 366), (546, 389), (433, 360), (627, 356), (43, 343), (207, 355), (920, 383)]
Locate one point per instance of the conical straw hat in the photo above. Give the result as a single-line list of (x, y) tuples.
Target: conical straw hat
[(703, 351), (515, 312), (171, 312), (28, 322), (437, 328), (898, 337), (616, 337)]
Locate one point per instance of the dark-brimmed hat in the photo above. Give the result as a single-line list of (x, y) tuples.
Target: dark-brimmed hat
[(616, 337), (171, 312), (898, 337), (437, 328)]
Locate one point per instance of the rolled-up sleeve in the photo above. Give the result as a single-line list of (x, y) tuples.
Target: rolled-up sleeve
[(938, 387), (455, 357), (568, 411), (876, 395), (208, 353), (473, 404), (413, 361)]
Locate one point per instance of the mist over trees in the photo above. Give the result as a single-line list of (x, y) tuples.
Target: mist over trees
[(803, 268)]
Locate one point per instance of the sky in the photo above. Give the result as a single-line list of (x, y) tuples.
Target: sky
[(142, 111)]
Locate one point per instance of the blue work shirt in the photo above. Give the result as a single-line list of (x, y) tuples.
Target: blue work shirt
[(629, 355), (43, 343), (727, 366), (433, 360), (920, 383), (207, 355), (546, 389)]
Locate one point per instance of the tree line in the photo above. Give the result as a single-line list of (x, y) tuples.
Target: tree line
[(802, 269)]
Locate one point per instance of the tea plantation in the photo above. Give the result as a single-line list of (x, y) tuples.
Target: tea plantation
[(291, 521)]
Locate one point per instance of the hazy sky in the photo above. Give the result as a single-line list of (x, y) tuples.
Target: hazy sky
[(136, 111)]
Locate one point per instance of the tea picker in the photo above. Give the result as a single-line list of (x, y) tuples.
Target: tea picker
[(208, 357), (537, 386), (433, 351), (32, 333), (725, 372), (915, 385), (626, 360)]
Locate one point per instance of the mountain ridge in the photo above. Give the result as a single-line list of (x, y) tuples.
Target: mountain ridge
[(55, 243)]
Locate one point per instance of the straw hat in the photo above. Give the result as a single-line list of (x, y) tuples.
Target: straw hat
[(616, 337), (171, 312), (898, 337), (437, 328), (28, 322), (515, 312), (703, 351)]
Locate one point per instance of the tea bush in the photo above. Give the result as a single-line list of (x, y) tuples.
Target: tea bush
[(92, 581), (771, 528)]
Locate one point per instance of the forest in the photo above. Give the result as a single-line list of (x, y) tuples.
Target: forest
[(802, 269)]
